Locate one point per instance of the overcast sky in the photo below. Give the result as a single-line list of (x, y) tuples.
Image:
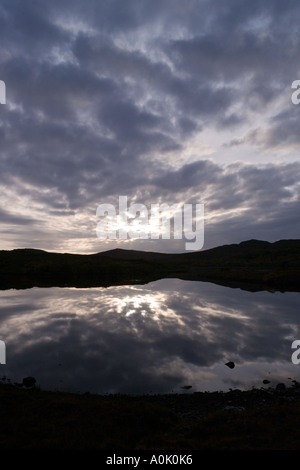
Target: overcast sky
[(162, 101)]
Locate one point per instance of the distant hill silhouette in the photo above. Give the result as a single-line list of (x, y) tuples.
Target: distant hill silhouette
[(252, 265)]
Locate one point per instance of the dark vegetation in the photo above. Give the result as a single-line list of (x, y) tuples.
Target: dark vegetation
[(258, 419), (253, 265)]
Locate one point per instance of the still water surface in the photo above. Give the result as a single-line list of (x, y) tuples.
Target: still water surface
[(153, 338)]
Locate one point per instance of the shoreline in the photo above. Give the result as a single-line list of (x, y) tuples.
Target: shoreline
[(265, 418)]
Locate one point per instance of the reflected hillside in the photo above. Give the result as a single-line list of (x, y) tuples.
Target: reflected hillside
[(251, 265)]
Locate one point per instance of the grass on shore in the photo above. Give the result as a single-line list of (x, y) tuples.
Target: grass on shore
[(35, 419)]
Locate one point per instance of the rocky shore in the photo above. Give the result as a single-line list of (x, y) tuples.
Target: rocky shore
[(265, 418)]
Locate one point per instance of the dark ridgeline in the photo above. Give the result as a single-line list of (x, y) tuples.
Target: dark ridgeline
[(252, 265)]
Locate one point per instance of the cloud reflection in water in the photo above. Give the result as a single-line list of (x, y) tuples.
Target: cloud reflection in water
[(148, 339)]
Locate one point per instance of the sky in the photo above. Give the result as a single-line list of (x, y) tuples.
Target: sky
[(165, 102)]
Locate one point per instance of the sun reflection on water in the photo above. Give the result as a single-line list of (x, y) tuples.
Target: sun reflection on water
[(151, 306), (160, 336)]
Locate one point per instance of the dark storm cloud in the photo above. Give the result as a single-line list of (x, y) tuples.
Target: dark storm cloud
[(27, 28), (230, 121), (233, 56), (255, 47), (256, 202), (190, 96), (193, 175), (57, 90), (284, 128), (100, 93), (7, 217)]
